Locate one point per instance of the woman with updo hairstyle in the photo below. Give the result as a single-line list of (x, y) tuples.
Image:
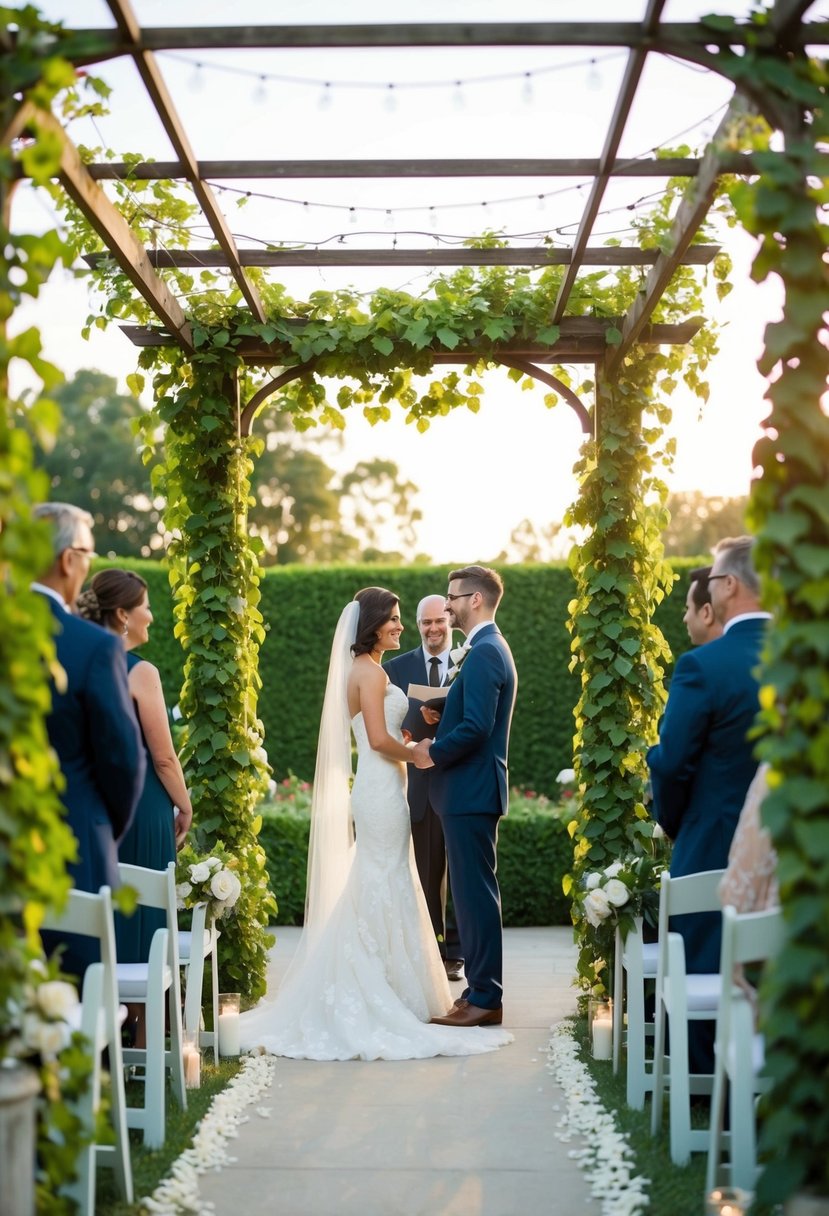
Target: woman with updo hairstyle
[(118, 600)]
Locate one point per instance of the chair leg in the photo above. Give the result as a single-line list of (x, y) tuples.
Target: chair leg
[(715, 1140), (174, 1059), (637, 1081), (679, 1095), (743, 1148), (658, 1068), (618, 1000)]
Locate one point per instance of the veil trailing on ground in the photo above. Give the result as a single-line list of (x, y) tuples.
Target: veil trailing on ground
[(330, 846)]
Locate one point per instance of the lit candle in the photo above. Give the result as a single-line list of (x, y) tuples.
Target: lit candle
[(602, 1034), (192, 1066), (728, 1201), (229, 1028)]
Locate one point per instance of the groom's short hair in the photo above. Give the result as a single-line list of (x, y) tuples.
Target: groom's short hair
[(481, 578)]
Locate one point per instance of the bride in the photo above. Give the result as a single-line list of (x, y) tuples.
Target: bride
[(367, 975)]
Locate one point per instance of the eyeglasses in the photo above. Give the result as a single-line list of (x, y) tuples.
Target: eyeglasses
[(90, 553), (462, 595), (711, 577)]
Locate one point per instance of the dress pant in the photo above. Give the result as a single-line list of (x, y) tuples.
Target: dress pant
[(430, 858)]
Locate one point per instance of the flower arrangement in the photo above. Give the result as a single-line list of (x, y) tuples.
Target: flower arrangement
[(211, 879), (39, 1019), (567, 784), (627, 888)]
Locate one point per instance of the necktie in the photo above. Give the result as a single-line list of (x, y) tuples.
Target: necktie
[(434, 671)]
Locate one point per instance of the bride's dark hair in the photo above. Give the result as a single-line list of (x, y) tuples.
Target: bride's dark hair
[(376, 607)]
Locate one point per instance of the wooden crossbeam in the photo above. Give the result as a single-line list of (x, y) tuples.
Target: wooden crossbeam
[(582, 340), (308, 170), (85, 46), (116, 233), (627, 91), (611, 255), (690, 214), (163, 102)]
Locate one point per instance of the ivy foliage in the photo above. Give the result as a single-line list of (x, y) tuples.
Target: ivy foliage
[(789, 509), (35, 841), (214, 573)]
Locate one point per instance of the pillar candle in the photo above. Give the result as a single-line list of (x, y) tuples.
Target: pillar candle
[(602, 1038), (229, 1034)]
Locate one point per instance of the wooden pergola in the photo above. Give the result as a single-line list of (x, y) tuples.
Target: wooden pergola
[(582, 339)]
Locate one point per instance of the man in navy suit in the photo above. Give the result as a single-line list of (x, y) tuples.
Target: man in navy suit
[(428, 664), (92, 724), (704, 761), (470, 786)]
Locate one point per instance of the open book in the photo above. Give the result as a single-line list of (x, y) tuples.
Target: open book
[(425, 692)]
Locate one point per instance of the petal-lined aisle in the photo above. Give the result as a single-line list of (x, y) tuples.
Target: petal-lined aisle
[(473, 1136)]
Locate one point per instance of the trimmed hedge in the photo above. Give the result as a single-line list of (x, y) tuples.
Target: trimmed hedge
[(534, 852), (301, 605)]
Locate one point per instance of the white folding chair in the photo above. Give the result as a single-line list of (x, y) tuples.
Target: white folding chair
[(739, 1052), (192, 961), (683, 998), (100, 1020), (146, 984), (634, 962)]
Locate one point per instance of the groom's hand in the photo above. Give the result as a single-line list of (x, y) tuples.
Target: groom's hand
[(420, 753)]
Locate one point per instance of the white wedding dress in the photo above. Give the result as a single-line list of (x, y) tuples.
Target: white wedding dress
[(371, 980)]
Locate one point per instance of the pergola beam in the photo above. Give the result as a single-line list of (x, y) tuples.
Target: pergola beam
[(116, 234), (154, 83), (611, 255), (581, 340), (624, 101), (86, 46), (308, 170), (690, 215)]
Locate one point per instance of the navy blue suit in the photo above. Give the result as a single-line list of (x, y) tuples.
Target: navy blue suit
[(427, 833), (470, 791), (93, 728), (700, 773)]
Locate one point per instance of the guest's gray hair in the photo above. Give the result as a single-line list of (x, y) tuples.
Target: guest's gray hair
[(736, 558), (66, 522)]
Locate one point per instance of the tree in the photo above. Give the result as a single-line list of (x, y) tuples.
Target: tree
[(698, 522), (531, 542), (95, 465)]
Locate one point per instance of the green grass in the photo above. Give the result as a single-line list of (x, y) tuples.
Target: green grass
[(149, 1166), (674, 1190)]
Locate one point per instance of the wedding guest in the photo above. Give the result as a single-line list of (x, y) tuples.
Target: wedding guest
[(118, 600), (704, 762), (750, 880), (428, 664), (470, 786), (91, 724), (699, 617)]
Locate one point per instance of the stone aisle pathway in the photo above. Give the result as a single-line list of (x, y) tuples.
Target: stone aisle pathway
[(472, 1136)]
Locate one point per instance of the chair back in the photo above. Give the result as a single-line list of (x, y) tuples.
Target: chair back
[(752, 937), (91, 916), (156, 889)]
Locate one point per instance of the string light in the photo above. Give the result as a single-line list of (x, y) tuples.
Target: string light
[(260, 93), (527, 90)]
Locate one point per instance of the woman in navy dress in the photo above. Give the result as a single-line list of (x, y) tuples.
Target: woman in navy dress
[(118, 600)]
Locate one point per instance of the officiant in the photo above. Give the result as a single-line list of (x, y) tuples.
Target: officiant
[(429, 664)]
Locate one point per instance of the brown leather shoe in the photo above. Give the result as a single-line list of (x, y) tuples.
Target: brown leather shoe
[(454, 969), (463, 1013)]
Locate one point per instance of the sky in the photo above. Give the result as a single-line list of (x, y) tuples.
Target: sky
[(478, 477)]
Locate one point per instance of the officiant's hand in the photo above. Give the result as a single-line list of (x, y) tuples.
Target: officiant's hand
[(407, 735), (420, 753), (430, 716)]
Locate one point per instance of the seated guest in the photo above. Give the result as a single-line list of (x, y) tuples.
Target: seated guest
[(118, 600), (91, 725)]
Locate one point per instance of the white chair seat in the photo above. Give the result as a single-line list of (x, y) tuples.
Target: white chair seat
[(703, 991), (133, 979), (185, 942)]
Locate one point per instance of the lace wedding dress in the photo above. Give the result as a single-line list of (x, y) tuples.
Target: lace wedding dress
[(368, 984)]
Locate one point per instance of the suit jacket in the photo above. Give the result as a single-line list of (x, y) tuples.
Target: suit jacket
[(93, 728), (472, 739), (703, 765), (403, 670)]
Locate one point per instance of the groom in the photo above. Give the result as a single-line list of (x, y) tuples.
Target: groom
[(469, 787)]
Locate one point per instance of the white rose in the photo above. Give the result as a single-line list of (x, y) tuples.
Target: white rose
[(183, 892), (213, 863), (56, 998), (223, 884), (616, 892), (567, 776), (592, 880), (596, 907), (613, 869), (199, 873), (658, 832), (47, 1038)]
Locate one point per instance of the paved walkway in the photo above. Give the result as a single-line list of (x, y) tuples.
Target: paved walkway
[(471, 1136)]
